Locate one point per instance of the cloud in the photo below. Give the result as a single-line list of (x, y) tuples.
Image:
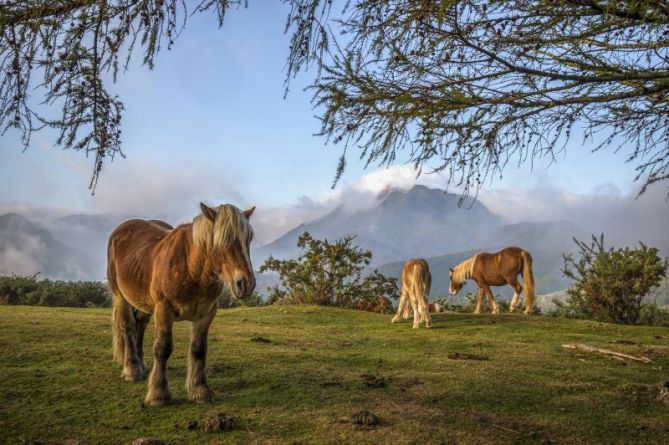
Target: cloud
[(624, 218), (148, 189), (21, 257)]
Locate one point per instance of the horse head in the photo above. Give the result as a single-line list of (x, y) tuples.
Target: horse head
[(455, 285), (226, 233)]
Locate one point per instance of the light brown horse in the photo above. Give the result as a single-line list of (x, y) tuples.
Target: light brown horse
[(416, 283), (496, 269), (175, 274)]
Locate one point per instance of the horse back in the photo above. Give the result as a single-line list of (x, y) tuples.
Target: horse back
[(498, 267), (130, 254)]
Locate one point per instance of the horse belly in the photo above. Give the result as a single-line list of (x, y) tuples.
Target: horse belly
[(196, 308), (138, 298)]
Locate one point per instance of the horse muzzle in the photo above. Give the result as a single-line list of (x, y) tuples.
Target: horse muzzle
[(242, 288)]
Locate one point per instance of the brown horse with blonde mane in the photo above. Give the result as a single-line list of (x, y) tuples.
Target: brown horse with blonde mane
[(174, 275), (416, 283), (496, 269)]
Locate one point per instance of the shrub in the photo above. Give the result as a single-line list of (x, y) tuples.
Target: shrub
[(328, 274), (610, 284), (30, 291)]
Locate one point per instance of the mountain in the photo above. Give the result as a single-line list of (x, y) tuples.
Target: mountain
[(27, 248), (417, 222)]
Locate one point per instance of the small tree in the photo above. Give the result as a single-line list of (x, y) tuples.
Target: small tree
[(329, 274), (610, 284)]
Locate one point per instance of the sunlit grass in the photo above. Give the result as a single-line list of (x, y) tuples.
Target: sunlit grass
[(57, 380)]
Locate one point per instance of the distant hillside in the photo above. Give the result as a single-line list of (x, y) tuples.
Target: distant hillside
[(418, 222), (27, 248)]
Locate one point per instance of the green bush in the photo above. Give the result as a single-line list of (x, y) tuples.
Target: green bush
[(610, 284), (328, 274), (654, 315), (31, 291)]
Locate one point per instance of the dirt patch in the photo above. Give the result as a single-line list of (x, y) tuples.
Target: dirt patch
[(644, 395), (259, 339), (365, 419), (374, 381), (191, 424), (663, 394), (622, 341), (220, 422), (466, 356), (515, 427), (653, 353), (148, 441), (407, 383)]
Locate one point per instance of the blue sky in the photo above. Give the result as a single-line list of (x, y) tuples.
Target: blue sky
[(211, 123)]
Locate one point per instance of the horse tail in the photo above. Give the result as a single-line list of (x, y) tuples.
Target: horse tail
[(118, 339), (422, 281), (528, 278)]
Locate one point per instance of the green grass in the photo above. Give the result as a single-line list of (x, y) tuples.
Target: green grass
[(57, 380)]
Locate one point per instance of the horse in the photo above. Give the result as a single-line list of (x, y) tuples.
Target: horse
[(496, 269), (174, 275), (416, 282), (435, 308)]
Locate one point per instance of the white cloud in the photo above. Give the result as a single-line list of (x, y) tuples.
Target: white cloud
[(149, 189)]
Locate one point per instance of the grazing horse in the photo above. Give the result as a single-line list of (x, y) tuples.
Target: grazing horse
[(416, 282), (435, 308), (175, 274), (496, 269)]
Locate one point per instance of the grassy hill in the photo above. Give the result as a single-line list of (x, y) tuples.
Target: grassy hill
[(58, 381)]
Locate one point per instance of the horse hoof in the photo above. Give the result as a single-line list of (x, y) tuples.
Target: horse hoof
[(158, 402), (201, 394), (132, 376)]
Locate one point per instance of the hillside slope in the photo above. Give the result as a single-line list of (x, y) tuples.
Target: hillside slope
[(319, 366)]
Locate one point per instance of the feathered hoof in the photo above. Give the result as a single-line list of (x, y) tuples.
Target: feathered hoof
[(157, 397), (133, 375), (201, 394), (157, 402)]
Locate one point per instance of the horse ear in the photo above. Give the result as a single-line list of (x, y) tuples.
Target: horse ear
[(451, 269), (249, 212), (208, 212)]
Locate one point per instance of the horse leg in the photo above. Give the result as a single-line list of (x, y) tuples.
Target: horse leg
[(424, 307), (516, 295), (196, 379), (495, 308), (479, 297), (124, 330), (401, 307), (416, 312), (159, 392), (141, 322)]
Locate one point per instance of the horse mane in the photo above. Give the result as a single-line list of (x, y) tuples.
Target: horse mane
[(230, 225), (463, 271)]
